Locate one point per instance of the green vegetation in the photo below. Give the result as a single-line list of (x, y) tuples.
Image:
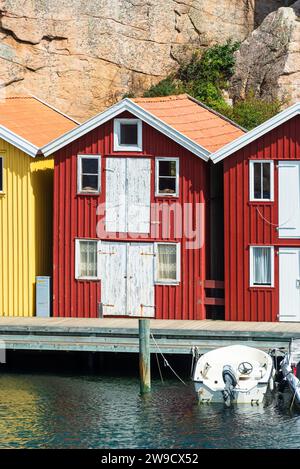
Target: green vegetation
[(206, 77), (251, 111)]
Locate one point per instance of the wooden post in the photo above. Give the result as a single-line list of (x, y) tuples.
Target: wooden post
[(145, 359)]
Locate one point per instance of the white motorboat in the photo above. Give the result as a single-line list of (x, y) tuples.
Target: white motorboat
[(234, 374)]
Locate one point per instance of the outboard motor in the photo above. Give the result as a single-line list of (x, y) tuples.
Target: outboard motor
[(230, 381)]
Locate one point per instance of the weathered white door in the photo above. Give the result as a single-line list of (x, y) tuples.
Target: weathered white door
[(289, 284), (138, 195), (127, 279), (141, 279), (289, 199), (128, 182), (115, 216), (113, 262)]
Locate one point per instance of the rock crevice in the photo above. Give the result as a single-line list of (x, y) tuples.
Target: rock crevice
[(268, 61), (83, 55)]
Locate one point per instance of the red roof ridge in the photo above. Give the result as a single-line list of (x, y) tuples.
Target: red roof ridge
[(41, 101), (19, 97), (154, 99)]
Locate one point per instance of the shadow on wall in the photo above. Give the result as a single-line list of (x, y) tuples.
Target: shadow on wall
[(42, 183), (264, 7)]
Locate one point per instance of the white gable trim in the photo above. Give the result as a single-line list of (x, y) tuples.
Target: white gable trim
[(18, 141), (254, 134), (126, 105)]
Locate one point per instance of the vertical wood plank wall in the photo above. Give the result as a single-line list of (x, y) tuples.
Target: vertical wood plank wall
[(75, 217), (25, 229), (254, 223)]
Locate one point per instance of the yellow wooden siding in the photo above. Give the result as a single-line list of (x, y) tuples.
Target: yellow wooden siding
[(25, 229)]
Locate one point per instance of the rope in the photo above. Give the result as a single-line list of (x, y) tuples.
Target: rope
[(166, 363), (158, 365), (274, 224)]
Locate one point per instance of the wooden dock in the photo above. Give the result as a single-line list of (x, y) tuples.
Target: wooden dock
[(121, 335)]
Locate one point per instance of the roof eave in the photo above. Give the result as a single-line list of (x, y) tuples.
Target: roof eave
[(18, 142), (256, 133), (126, 105)]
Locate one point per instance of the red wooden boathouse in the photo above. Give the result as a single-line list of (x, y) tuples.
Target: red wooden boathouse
[(262, 221), (131, 210)]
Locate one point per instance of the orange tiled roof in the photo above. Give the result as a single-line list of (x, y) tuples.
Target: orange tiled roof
[(33, 120), (192, 119)]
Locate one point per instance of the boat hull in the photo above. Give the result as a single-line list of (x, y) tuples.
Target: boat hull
[(234, 374), (254, 396)]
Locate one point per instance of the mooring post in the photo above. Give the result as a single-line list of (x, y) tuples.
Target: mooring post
[(145, 360)]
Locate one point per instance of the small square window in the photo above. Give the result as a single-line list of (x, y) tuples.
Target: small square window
[(167, 176), (89, 174), (127, 135), (261, 180), (261, 266), (1, 173), (87, 259), (167, 263)]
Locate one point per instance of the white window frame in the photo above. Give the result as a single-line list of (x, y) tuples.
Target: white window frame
[(176, 281), (251, 180), (77, 259), (2, 180), (79, 174), (117, 135), (251, 258), (157, 160)]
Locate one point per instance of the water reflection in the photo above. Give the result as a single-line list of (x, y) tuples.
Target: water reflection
[(50, 411)]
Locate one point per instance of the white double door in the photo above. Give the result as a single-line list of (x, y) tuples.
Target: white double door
[(289, 284), (127, 278), (128, 183)]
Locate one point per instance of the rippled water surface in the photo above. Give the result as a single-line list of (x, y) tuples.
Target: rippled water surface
[(101, 412)]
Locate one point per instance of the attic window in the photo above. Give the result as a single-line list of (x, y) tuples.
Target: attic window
[(89, 167), (167, 177), (127, 135)]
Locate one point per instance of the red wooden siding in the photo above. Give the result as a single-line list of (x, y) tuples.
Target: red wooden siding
[(254, 223), (75, 217)]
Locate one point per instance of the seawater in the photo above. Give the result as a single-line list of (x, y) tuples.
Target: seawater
[(85, 411)]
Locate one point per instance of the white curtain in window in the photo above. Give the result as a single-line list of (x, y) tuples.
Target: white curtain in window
[(262, 266), (88, 259), (167, 262)]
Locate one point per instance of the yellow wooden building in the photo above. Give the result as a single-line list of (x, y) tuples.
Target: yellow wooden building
[(26, 194)]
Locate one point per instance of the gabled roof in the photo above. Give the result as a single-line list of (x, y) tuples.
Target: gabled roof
[(29, 123), (181, 118), (256, 133), (193, 119)]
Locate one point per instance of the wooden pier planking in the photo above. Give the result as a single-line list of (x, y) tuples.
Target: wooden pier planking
[(121, 334)]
